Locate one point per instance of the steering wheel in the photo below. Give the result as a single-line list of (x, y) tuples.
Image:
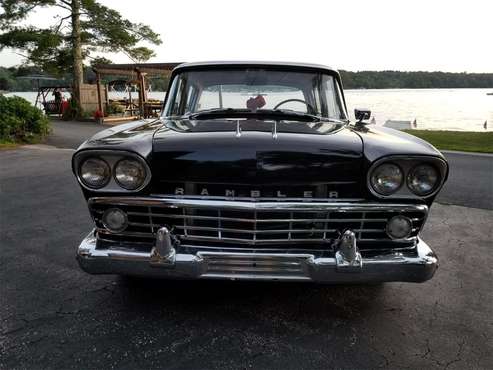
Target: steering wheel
[(308, 105)]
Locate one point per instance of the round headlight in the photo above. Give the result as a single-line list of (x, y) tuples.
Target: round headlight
[(94, 173), (399, 227), (386, 178), (130, 174), (115, 220), (422, 179)]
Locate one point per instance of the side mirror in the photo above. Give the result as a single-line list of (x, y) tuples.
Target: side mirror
[(362, 115)]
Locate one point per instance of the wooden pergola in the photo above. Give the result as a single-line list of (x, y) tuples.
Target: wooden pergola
[(139, 70)]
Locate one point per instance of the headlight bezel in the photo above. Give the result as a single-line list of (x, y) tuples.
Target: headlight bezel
[(406, 164), (81, 176), (111, 157), (115, 175), (410, 173), (402, 180)]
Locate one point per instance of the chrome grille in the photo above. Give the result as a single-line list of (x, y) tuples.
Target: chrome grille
[(198, 222)]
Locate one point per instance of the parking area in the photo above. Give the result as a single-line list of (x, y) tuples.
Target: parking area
[(53, 315)]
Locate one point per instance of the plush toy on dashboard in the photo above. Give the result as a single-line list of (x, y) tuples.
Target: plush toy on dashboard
[(255, 103)]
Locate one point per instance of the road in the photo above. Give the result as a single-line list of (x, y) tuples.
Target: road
[(71, 134), (470, 182), (52, 315)]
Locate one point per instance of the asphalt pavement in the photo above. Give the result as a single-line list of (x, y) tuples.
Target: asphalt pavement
[(53, 315), (70, 134), (470, 181)]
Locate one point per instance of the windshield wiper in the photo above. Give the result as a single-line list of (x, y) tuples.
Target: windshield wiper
[(296, 114), (311, 117), (215, 112), (276, 114)]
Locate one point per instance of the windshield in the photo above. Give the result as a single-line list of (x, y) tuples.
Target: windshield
[(254, 90)]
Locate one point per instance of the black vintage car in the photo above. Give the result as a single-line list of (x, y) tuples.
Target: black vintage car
[(254, 171)]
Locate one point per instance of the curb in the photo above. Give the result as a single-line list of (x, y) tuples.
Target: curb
[(44, 147), (489, 155)]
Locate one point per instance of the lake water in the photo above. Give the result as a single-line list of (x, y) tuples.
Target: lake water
[(433, 109)]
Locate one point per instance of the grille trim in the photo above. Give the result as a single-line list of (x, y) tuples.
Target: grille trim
[(249, 220), (254, 205), (262, 223)]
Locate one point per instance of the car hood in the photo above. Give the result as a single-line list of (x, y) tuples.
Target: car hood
[(190, 154)]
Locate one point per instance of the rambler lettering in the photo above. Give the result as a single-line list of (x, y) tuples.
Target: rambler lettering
[(231, 193)]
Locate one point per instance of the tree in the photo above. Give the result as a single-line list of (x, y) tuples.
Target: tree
[(80, 28), (5, 83)]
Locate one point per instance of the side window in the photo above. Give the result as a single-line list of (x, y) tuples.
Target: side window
[(191, 99), (177, 106), (173, 104), (170, 98), (333, 104), (340, 101), (317, 101)]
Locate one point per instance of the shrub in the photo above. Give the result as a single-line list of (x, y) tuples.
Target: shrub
[(71, 111), (20, 122), (115, 108)]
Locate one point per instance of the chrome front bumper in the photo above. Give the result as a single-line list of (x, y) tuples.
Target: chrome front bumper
[(394, 266)]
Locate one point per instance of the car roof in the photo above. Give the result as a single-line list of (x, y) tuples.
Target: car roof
[(268, 64)]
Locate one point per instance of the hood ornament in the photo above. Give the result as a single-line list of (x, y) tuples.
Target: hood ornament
[(238, 128), (274, 130)]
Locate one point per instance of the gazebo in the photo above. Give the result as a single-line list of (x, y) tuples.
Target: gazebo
[(139, 72)]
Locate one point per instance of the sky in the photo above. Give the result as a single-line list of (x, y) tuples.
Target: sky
[(407, 35)]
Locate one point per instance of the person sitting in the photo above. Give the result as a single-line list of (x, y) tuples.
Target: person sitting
[(58, 99)]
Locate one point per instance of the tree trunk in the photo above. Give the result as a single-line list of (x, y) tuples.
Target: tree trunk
[(77, 55)]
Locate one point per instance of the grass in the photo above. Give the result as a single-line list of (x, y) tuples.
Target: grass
[(466, 141), (4, 145)]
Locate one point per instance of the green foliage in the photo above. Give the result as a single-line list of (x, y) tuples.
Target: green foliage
[(466, 141), (159, 83), (99, 60), (414, 80), (10, 81), (5, 83), (102, 30), (20, 122), (115, 108), (109, 31), (87, 115)]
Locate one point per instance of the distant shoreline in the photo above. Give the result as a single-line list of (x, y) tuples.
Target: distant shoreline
[(415, 80), (9, 80)]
